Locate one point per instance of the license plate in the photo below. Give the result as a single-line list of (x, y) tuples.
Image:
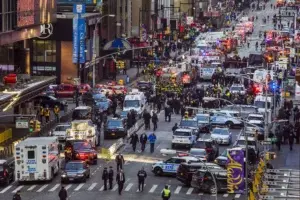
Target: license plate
[(113, 134), (71, 179)]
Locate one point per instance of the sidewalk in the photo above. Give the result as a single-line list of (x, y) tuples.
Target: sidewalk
[(287, 159)]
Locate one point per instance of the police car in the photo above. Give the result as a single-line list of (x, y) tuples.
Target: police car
[(226, 117), (237, 89), (171, 165), (191, 124), (184, 137)]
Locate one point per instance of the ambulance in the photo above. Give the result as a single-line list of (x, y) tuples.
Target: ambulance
[(84, 130), (36, 159), (135, 100)]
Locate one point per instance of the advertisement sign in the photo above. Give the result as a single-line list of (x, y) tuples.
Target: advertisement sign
[(79, 8), (235, 171), (75, 40), (81, 34)]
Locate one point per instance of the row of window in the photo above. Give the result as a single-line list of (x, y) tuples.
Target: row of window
[(44, 51)]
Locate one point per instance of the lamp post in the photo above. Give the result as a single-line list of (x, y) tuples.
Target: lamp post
[(94, 45)]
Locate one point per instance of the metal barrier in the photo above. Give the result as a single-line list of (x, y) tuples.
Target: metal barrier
[(5, 135), (105, 154)]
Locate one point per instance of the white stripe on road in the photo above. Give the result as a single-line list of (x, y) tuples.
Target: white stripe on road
[(42, 188), (92, 186), (129, 186), (190, 190), (237, 196), (138, 189), (201, 193), (153, 189), (5, 189), (177, 189), (31, 188), (79, 186), (54, 188), (68, 186), (102, 188), (226, 195), (18, 188), (115, 187)]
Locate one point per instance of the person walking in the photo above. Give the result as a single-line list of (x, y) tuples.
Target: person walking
[(56, 111), (63, 194), (291, 140), (120, 178), (120, 161), (41, 114), (17, 196), (154, 121), (134, 140), (166, 193), (152, 140), (110, 177), (143, 141), (47, 114), (142, 175), (105, 177)]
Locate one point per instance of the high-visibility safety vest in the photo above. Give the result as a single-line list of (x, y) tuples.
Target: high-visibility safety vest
[(41, 111), (47, 113), (56, 110), (166, 192)]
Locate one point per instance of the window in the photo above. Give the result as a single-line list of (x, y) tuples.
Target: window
[(44, 51), (31, 155)]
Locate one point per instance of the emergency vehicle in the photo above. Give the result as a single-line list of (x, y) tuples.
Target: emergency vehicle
[(135, 100), (184, 137), (83, 130), (36, 159), (261, 100)]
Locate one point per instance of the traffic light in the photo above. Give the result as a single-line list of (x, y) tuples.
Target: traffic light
[(118, 64), (121, 64), (31, 126), (37, 126)]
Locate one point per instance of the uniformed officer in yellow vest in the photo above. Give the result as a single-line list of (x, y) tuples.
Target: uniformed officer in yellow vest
[(47, 114), (56, 111), (166, 193), (186, 115), (41, 113)]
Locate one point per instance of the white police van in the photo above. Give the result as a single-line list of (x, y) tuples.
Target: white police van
[(136, 101), (184, 137), (171, 165), (227, 118)]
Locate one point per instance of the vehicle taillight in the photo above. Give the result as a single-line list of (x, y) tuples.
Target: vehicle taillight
[(5, 173), (208, 150)]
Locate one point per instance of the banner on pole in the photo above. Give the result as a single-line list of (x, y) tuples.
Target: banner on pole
[(235, 171)]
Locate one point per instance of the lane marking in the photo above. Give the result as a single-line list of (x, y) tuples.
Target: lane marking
[(226, 195), (237, 196), (5, 189), (115, 187), (138, 188), (177, 189), (92, 186), (42, 188), (68, 186), (102, 188), (18, 188), (31, 188), (201, 193), (79, 186), (190, 190), (153, 189), (129, 186), (54, 188)]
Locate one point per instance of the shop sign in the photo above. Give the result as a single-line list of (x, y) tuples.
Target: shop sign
[(46, 31)]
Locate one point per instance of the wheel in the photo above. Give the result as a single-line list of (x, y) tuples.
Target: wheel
[(7, 181), (158, 171), (212, 189), (52, 174), (88, 176), (173, 146), (229, 124), (84, 179), (62, 181)]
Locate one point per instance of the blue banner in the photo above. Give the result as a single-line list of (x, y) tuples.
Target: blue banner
[(79, 8), (78, 1), (75, 40), (82, 34)]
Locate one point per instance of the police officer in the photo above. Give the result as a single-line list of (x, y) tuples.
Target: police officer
[(63, 194), (134, 140), (47, 114), (110, 177), (142, 175), (56, 111), (120, 161), (143, 141), (166, 193), (105, 177), (154, 120), (41, 113), (17, 196)]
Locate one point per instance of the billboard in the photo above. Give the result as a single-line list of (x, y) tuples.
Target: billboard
[(26, 12), (235, 171)]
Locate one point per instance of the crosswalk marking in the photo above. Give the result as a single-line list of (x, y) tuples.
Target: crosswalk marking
[(31, 188), (42, 188), (115, 187), (54, 188), (5, 189), (102, 188), (18, 188), (153, 189), (237, 196), (201, 193), (225, 195), (177, 189), (190, 190), (128, 187), (92, 186), (141, 188), (79, 186), (68, 186)]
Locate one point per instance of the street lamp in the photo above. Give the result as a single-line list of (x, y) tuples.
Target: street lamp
[(94, 44)]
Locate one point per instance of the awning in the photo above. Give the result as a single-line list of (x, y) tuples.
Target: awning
[(117, 43)]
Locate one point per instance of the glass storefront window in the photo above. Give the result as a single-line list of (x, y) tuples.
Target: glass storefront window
[(44, 51)]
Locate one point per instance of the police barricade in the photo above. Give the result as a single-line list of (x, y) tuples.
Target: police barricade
[(135, 128)]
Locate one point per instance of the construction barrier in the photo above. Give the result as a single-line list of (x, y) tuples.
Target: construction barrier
[(5, 135)]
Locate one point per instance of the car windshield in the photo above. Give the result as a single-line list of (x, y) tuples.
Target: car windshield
[(81, 114), (74, 166), (62, 128), (220, 131), (261, 104), (198, 152), (237, 88), (243, 143), (82, 146), (181, 133), (188, 123), (224, 153), (114, 124), (203, 118), (1, 168), (131, 103)]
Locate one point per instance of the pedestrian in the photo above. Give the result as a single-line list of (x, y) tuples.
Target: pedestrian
[(17, 196), (154, 121), (56, 111), (120, 179), (41, 114), (291, 140), (147, 118), (47, 114), (152, 140), (120, 161), (63, 194), (110, 177), (105, 177), (134, 140), (166, 193), (143, 141), (175, 127), (142, 175)]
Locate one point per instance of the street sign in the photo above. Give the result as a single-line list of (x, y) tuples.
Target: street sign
[(22, 123)]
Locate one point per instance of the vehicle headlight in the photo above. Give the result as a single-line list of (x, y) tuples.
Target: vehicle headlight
[(216, 161), (64, 175)]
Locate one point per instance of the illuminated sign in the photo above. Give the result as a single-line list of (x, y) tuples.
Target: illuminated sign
[(46, 31), (25, 12)]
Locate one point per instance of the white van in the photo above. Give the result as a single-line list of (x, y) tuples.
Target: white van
[(184, 137), (136, 101), (260, 101), (36, 159)]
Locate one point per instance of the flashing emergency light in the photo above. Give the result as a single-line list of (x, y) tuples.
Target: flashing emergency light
[(186, 78)]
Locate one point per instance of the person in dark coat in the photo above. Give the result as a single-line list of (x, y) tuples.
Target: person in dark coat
[(17, 196), (110, 177), (154, 121), (120, 161), (175, 127), (105, 177), (134, 140), (143, 141), (142, 175), (291, 140), (120, 178), (63, 194), (147, 118)]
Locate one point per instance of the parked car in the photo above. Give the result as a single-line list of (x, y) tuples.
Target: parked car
[(50, 101), (76, 171), (65, 91), (211, 148), (6, 172), (50, 91)]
